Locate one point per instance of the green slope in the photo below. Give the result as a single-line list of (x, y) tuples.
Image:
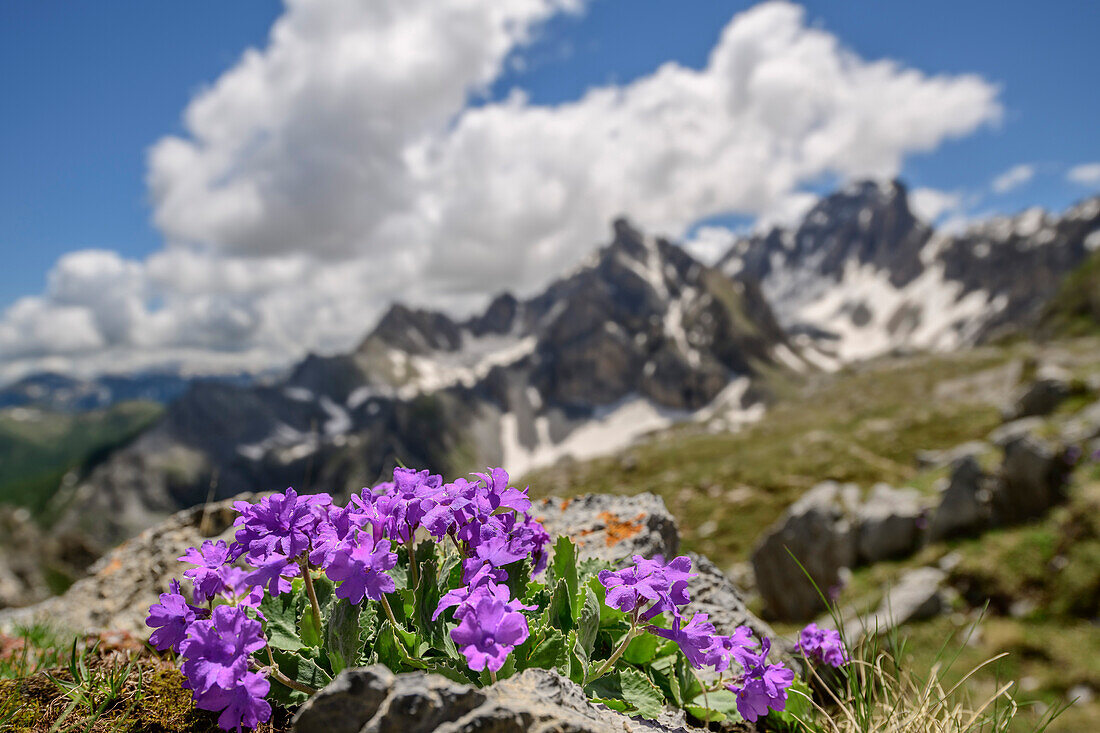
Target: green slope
[(37, 447)]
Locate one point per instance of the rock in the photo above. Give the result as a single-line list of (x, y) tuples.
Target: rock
[(1031, 480), (820, 532), (1084, 426), (373, 700), (1010, 431), (1051, 386), (964, 505), (610, 527), (888, 523), (123, 583), (917, 595), (938, 458), (713, 593)]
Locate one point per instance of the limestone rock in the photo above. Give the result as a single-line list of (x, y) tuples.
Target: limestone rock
[(1031, 480), (820, 531), (888, 523), (374, 700), (948, 456), (1013, 430), (917, 595), (964, 505), (1042, 396), (610, 527)]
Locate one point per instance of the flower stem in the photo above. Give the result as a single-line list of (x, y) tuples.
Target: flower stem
[(413, 569), (493, 676), (312, 596), (389, 611), (274, 673), (617, 653)]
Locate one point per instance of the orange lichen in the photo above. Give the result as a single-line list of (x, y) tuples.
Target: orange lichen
[(620, 529)]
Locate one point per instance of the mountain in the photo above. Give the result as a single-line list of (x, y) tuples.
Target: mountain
[(1075, 308), (861, 275), (640, 336), (62, 393)]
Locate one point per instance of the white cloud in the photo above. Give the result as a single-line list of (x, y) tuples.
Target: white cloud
[(1087, 174), (341, 167), (930, 204), (708, 243), (1014, 177)]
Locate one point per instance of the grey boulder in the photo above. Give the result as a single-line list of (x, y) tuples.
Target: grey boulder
[(374, 700), (964, 505), (889, 523)]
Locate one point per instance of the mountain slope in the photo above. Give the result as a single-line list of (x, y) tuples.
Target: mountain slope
[(861, 275), (641, 336)]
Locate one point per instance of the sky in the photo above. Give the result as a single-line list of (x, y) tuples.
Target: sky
[(228, 185)]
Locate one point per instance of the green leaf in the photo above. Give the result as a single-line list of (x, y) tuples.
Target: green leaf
[(561, 614), (722, 705), (299, 669), (667, 683), (621, 705), (393, 653), (342, 635), (609, 617), (565, 569), (588, 624), (369, 626), (641, 693), (548, 653), (519, 574), (641, 649), (798, 705), (577, 667), (427, 600), (281, 624), (307, 628), (685, 675)]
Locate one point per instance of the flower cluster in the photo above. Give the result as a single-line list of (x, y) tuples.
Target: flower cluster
[(649, 588), (286, 536), (822, 645)]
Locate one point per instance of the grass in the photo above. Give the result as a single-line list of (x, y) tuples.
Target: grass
[(37, 447), (864, 425)]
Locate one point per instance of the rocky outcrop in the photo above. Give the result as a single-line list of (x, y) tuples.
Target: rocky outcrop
[(1031, 480), (964, 506), (612, 528), (1043, 395), (918, 594), (374, 700), (889, 523), (817, 536)]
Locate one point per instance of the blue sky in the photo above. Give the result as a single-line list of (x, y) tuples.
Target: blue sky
[(89, 87)]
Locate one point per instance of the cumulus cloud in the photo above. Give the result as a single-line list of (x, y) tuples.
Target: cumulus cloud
[(1014, 177), (931, 204), (342, 167), (1086, 174)]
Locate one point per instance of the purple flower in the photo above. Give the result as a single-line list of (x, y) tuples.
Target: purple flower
[(278, 524), (694, 640), (335, 525), (464, 595), (216, 651), (208, 578), (763, 686), (171, 619), (497, 493), (822, 645), (649, 581), (361, 570), (238, 591), (626, 587), (242, 705), (489, 631), (273, 573), (735, 647)]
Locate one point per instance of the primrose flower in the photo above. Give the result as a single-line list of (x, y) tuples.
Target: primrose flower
[(273, 573), (171, 618), (278, 524), (489, 631), (208, 578), (242, 705), (822, 645), (734, 646), (695, 639), (649, 581), (361, 570), (496, 492), (238, 591), (216, 651), (763, 686)]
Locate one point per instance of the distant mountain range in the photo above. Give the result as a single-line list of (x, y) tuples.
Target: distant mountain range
[(861, 275), (639, 337), (62, 393)]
